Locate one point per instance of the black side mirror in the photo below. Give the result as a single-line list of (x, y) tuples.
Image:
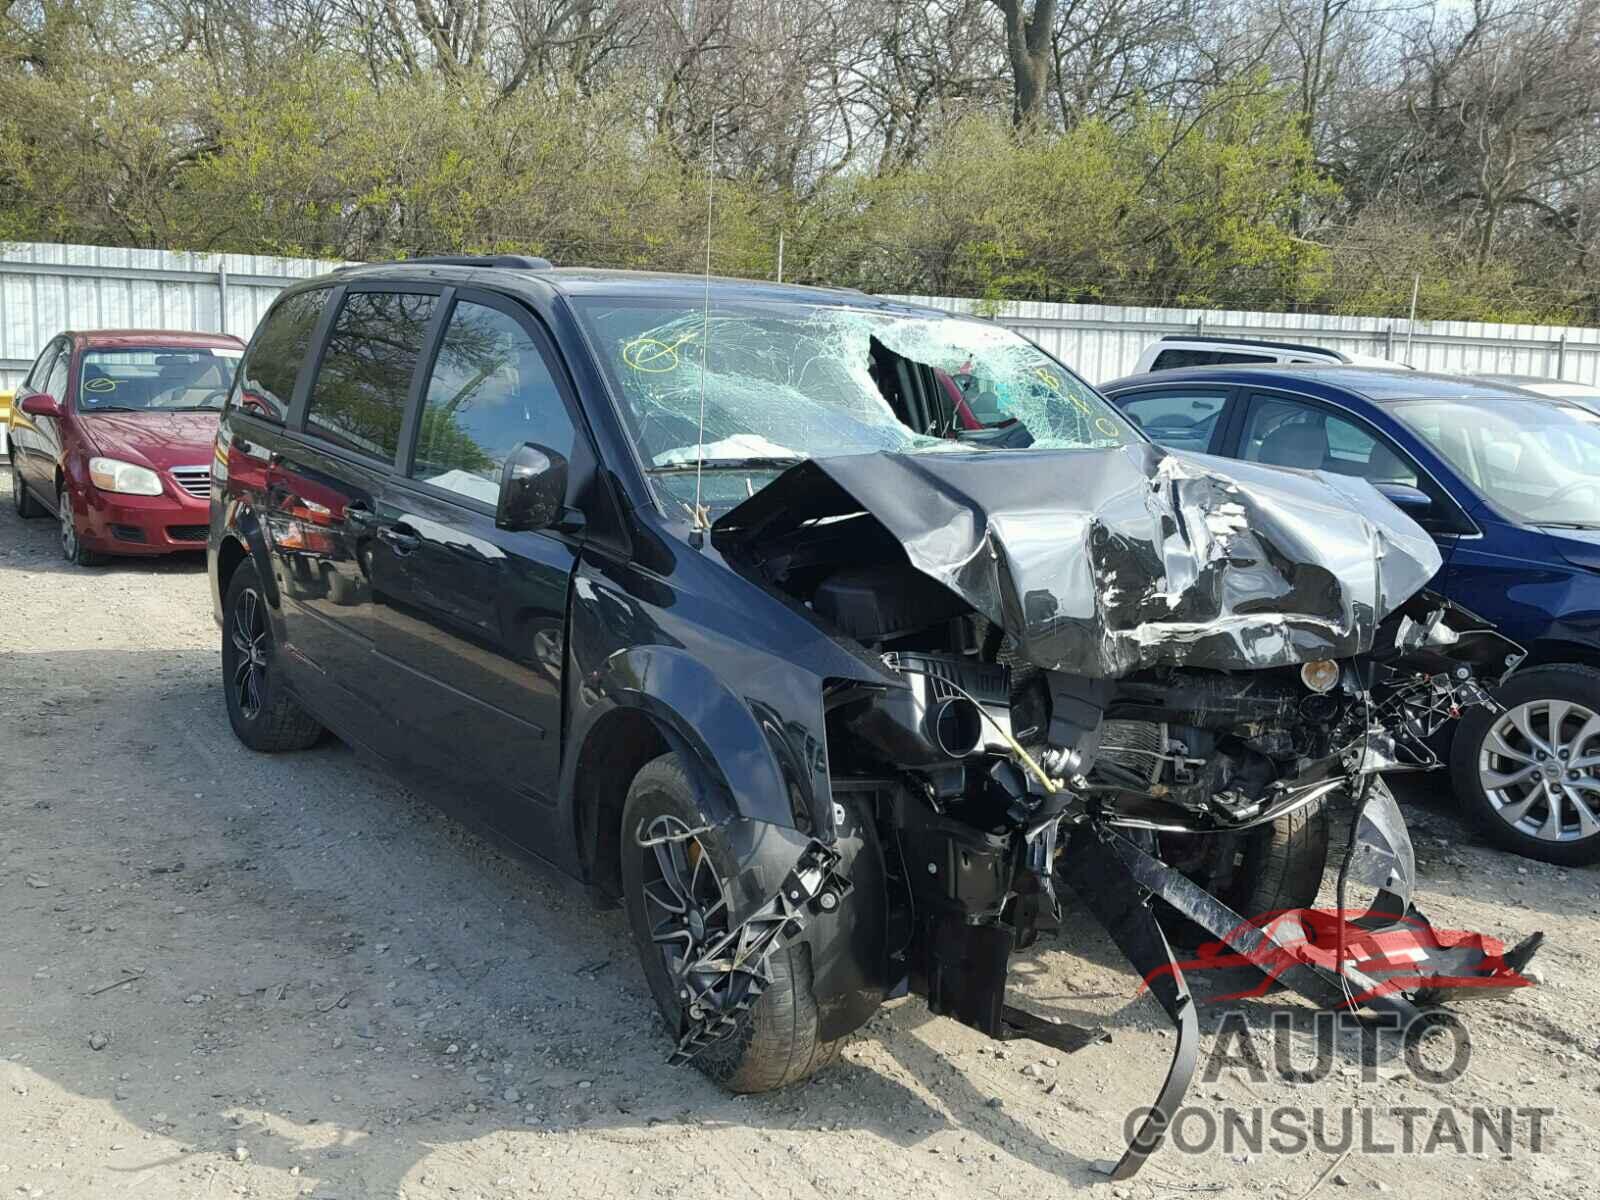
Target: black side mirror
[(1414, 502), (533, 488)]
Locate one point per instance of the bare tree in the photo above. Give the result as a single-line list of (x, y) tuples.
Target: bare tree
[(1028, 44)]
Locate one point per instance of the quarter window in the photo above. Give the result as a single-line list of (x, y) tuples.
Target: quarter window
[(490, 390), (359, 398), (265, 382)]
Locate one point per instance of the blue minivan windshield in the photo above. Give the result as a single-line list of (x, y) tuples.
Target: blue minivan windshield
[(1536, 462)]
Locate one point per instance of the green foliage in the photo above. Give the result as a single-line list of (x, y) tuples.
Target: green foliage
[(1378, 257), (321, 156), (1153, 210)]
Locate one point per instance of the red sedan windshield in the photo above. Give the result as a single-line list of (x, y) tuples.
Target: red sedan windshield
[(159, 378)]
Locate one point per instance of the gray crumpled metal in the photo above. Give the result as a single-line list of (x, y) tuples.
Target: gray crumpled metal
[(1103, 562)]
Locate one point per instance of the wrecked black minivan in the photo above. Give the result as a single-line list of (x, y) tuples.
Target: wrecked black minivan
[(834, 636)]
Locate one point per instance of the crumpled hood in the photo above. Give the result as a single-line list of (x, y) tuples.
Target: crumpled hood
[(1103, 562), (153, 438)]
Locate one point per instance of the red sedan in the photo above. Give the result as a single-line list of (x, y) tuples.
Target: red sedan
[(113, 433)]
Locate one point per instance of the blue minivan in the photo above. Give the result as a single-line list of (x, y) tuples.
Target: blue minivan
[(1508, 484)]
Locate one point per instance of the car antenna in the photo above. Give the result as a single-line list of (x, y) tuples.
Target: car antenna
[(697, 533)]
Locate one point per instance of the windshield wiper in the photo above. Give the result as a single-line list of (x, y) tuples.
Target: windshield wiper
[(100, 408), (727, 464), (1567, 524)]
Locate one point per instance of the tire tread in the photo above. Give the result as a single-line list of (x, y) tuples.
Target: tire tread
[(282, 724), (22, 499), (776, 1043)]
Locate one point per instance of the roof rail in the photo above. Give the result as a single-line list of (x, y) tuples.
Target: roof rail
[(1250, 341), (525, 262)]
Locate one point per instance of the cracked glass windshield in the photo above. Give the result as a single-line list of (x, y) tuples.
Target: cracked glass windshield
[(786, 382)]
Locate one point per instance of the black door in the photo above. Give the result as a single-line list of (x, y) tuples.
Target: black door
[(472, 618), (324, 496)]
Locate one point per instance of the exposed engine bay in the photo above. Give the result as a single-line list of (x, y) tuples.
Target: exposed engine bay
[(1094, 694), (1175, 657)]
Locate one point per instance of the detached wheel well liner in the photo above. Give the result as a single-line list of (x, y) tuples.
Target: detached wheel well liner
[(850, 973)]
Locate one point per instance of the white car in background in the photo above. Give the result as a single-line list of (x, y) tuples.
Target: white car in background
[(1194, 350), (1586, 395)]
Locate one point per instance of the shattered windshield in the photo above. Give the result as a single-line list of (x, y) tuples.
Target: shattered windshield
[(787, 382), (1538, 462)]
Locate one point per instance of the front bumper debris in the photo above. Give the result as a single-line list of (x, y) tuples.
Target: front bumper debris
[(737, 962), (1388, 959)]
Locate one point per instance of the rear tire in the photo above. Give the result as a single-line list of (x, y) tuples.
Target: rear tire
[(263, 715), (1556, 705), (775, 1042), (21, 498)]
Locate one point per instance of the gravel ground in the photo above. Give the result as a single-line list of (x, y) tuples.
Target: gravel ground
[(224, 973)]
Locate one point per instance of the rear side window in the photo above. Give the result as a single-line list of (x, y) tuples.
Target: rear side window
[(359, 397), (1169, 359), (265, 383), (1181, 418), (491, 390)]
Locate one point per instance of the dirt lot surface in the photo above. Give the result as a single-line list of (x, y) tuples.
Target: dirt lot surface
[(223, 973)]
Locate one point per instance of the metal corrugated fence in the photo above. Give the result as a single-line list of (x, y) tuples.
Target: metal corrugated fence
[(1102, 342), (45, 288)]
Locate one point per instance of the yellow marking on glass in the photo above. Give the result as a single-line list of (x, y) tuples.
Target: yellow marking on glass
[(652, 355)]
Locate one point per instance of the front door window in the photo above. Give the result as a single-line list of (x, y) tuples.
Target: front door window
[(1290, 433)]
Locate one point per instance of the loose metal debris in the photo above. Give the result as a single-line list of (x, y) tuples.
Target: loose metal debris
[(1092, 691)]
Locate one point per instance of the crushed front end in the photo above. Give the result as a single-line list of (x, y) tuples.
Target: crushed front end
[(1116, 671)]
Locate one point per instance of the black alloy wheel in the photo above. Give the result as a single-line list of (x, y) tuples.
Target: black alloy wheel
[(251, 642)]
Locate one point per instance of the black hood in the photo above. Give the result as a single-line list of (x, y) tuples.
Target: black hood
[(1102, 562)]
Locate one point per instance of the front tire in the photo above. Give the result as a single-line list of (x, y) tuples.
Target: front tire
[(263, 715), (72, 547), (1284, 862), (1530, 776), (675, 894), (1272, 868)]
